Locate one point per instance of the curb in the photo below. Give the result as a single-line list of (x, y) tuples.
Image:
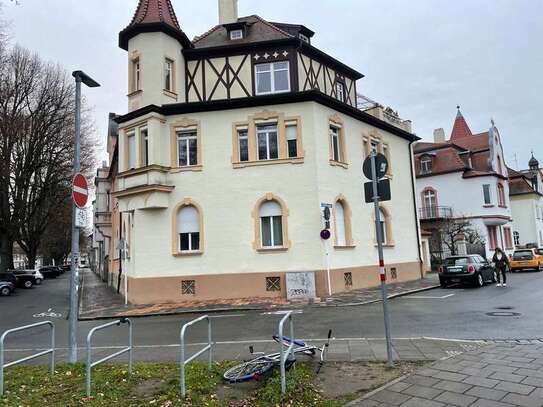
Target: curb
[(252, 308)]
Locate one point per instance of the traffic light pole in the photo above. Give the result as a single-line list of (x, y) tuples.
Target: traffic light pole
[(74, 281), (382, 272)]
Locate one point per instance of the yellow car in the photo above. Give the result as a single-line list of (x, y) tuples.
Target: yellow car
[(524, 259)]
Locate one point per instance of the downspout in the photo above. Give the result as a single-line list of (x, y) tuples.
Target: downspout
[(120, 253), (413, 180)]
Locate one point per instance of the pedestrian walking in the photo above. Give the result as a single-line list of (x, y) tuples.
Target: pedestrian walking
[(501, 262)]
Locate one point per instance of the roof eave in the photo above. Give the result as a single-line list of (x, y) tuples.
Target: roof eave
[(133, 30)]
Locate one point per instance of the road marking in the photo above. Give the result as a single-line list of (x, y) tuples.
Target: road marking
[(48, 314), (427, 297), (227, 316), (297, 311)]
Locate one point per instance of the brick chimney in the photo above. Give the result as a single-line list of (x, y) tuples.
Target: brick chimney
[(439, 135), (228, 11)]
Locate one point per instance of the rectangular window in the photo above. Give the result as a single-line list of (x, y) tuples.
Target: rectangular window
[(189, 241), (335, 143), (340, 91), (267, 142), (187, 147), (144, 147), (486, 194), (292, 142), (426, 166), (236, 34), (136, 75), (272, 78), (492, 237), (243, 145), (272, 231), (508, 238), (304, 38), (168, 75), (131, 150)]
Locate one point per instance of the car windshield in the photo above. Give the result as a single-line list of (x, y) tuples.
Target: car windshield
[(457, 261), (522, 254)]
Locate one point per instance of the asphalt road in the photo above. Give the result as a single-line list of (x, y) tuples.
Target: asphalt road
[(453, 313)]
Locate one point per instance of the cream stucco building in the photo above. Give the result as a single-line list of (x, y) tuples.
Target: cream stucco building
[(231, 144)]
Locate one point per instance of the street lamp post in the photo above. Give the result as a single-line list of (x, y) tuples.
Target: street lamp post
[(80, 77)]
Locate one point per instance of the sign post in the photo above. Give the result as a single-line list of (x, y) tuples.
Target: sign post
[(325, 235), (378, 166)]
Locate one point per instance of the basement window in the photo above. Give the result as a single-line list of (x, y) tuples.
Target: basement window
[(188, 287), (273, 283)]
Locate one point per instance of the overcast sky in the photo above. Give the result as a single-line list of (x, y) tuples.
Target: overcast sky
[(420, 57)]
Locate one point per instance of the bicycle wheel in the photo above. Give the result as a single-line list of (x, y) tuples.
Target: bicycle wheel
[(247, 371)]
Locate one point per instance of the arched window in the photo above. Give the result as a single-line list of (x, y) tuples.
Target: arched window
[(501, 195), (383, 226), (187, 229), (342, 223), (516, 238), (271, 225), (429, 203)]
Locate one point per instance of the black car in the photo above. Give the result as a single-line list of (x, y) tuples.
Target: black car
[(27, 278), (50, 271), (6, 288), (472, 269), (65, 267), (9, 277)]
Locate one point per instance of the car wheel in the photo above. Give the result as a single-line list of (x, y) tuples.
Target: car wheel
[(494, 276), (28, 284), (38, 281), (5, 291), (443, 283), (479, 281)]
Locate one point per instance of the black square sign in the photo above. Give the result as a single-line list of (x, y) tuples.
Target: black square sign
[(383, 190)]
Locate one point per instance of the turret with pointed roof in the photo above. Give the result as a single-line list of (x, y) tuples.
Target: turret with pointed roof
[(154, 16), (460, 128)]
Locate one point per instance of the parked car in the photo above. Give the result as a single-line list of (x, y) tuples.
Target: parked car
[(6, 288), (473, 269), (50, 271), (9, 277), (27, 278), (65, 267), (527, 259)]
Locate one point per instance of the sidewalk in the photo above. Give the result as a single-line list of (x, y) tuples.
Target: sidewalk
[(98, 301), (498, 375)]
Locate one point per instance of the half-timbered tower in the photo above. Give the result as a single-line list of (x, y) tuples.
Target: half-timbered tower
[(231, 143)]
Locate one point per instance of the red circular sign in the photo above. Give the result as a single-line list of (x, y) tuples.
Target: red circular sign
[(80, 190), (325, 234)]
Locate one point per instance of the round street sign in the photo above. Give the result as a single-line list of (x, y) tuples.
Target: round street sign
[(325, 234), (381, 166), (80, 190)]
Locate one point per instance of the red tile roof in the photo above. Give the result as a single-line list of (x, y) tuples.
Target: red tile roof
[(460, 128), (445, 160), (155, 11)]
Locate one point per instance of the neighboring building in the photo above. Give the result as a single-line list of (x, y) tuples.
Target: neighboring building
[(20, 260), (232, 142), (464, 178), (526, 194)]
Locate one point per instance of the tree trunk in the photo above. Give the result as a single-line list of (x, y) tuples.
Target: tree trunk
[(31, 257), (6, 252)]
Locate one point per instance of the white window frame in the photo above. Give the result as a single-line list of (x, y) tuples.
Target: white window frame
[(383, 225), (293, 127), (136, 66), (236, 35), (426, 166), (272, 71), (272, 236), (168, 69), (340, 91), (243, 134), (187, 135), (144, 146), (180, 231), (131, 155), (335, 138), (487, 186), (267, 132)]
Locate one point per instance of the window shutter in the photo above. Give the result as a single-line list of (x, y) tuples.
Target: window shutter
[(291, 132), (270, 208), (188, 220)]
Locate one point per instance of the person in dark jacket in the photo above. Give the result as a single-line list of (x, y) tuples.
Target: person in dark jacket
[(501, 262)]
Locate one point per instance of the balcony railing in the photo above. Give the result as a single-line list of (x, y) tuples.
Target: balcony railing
[(435, 212)]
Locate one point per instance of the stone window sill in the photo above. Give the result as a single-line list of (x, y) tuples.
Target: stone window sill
[(170, 94), (135, 92), (348, 246), (339, 164), (386, 245), (243, 164), (272, 250), (193, 168), (188, 254), (488, 206)]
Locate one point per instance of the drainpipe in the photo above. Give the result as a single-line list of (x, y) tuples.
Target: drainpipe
[(413, 178)]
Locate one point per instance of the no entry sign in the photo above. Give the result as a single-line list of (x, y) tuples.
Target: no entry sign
[(80, 190)]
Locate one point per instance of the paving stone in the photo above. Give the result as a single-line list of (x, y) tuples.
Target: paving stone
[(390, 397), (455, 377), (514, 388), (481, 381), (399, 387), (490, 403), (422, 391), (530, 373), (368, 403), (483, 392), (533, 381), (418, 402), (507, 377), (421, 380), (524, 401), (455, 399), (452, 386), (501, 368)]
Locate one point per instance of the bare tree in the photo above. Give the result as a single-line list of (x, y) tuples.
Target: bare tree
[(452, 231)]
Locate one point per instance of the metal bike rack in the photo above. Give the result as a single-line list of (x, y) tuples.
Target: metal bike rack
[(51, 351), (288, 316), (128, 349), (208, 348)]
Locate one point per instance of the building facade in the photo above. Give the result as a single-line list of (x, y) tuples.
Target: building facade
[(526, 194), (232, 143), (464, 178)]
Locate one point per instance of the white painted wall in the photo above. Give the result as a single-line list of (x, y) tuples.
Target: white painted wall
[(528, 218)]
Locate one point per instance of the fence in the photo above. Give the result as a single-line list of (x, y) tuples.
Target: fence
[(36, 355), (290, 348), (128, 349), (208, 348)]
